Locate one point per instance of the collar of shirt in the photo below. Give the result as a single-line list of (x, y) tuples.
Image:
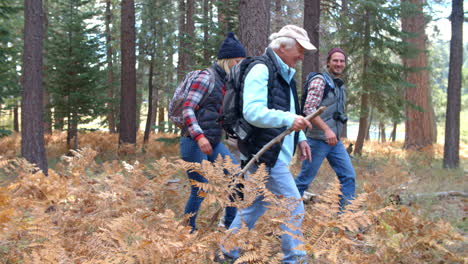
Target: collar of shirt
[(286, 71)]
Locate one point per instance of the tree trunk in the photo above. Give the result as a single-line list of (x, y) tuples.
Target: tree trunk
[(110, 71), (128, 77), (186, 31), (117, 60), (156, 95), (139, 98), (312, 26), (383, 137), (452, 118), (15, 119), (140, 76), (254, 25), (72, 132), (154, 114), (46, 98), (418, 120), (155, 103), (206, 51), (167, 89), (190, 31), (279, 15), (182, 61), (364, 112), (222, 21), (369, 123), (344, 13), (161, 126), (394, 130), (149, 116), (69, 130), (32, 130), (344, 130)]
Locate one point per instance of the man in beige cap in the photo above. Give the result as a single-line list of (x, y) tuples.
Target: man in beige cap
[(270, 105)]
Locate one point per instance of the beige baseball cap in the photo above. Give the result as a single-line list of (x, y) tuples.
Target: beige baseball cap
[(297, 33)]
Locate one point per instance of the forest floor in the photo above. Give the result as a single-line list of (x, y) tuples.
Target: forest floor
[(427, 219)]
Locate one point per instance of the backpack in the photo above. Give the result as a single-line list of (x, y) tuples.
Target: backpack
[(232, 119), (176, 105), (329, 84)]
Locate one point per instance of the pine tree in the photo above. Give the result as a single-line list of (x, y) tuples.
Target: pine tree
[(156, 37), (11, 44), (76, 82), (227, 16), (373, 44), (420, 131), (127, 131), (46, 97), (111, 115), (312, 26), (452, 125), (32, 131), (254, 25), (186, 33)]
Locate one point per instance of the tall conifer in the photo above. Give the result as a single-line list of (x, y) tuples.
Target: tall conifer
[(74, 57)]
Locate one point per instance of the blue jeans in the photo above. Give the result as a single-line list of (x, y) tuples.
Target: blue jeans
[(340, 162), (191, 152), (280, 182)]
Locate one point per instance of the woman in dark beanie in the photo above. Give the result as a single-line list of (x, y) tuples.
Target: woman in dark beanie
[(201, 137)]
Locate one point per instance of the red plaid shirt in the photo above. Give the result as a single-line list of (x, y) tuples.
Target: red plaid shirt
[(198, 89), (314, 95)]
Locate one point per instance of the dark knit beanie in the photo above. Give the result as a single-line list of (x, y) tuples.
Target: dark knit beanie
[(334, 50), (231, 48)]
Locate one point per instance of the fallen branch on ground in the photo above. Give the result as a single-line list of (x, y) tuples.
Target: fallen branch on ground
[(441, 194)]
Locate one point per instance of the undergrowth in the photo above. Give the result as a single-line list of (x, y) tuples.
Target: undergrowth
[(98, 207)]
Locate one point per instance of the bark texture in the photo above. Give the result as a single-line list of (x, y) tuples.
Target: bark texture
[(32, 130), (254, 25), (452, 118), (419, 115), (128, 78)]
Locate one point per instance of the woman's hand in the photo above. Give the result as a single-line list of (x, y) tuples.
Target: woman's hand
[(205, 146)]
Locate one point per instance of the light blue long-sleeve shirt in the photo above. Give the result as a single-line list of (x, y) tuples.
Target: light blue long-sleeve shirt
[(256, 110)]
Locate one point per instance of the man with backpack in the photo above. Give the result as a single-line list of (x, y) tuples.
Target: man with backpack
[(327, 89), (201, 132), (270, 105)]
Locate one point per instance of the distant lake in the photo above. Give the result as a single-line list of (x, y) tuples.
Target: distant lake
[(353, 129)]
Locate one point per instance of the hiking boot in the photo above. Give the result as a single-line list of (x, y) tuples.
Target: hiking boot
[(309, 197)]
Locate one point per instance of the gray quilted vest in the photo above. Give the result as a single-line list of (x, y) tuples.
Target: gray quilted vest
[(335, 101)]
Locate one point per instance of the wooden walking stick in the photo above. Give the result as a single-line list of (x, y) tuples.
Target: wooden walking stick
[(277, 139)]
